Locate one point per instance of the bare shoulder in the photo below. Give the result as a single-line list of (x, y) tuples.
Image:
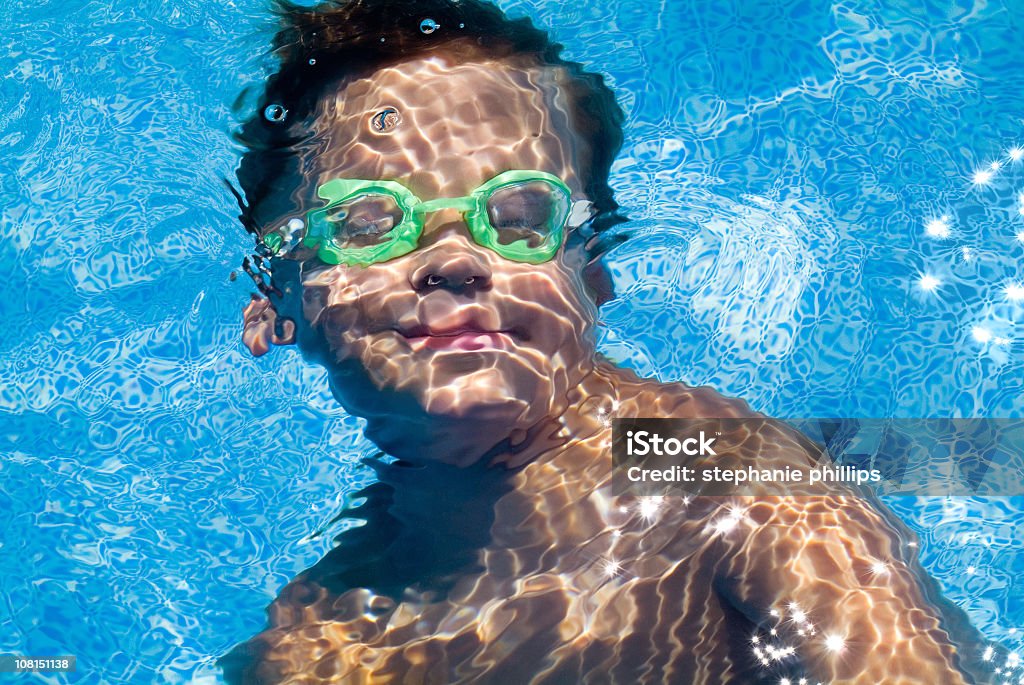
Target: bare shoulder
[(650, 398)]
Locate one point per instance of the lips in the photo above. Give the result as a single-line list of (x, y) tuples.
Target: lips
[(466, 337)]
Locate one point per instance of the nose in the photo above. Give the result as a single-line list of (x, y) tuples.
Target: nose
[(451, 261), (448, 266)]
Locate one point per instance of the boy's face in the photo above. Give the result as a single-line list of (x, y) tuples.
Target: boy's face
[(463, 331)]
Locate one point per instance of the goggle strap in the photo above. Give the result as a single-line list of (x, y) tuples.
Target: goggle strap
[(580, 213)]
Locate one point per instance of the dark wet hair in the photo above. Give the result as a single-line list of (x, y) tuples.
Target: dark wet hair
[(320, 46)]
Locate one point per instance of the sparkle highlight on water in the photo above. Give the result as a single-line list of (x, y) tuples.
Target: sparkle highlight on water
[(938, 228), (929, 283)]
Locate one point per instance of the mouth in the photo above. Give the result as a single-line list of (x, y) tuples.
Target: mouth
[(466, 338)]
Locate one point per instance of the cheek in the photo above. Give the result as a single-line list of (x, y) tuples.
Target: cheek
[(565, 283), (554, 298), (336, 301)]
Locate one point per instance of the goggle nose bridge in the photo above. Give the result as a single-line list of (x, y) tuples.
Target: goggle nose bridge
[(462, 204)]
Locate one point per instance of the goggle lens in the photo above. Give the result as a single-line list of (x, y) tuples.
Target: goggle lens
[(530, 211), (364, 220)]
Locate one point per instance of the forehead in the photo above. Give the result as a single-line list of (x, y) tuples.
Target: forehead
[(460, 125)]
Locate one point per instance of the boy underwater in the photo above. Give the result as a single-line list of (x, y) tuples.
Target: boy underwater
[(428, 182)]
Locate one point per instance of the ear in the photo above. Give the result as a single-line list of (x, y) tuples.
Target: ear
[(596, 279), (261, 327)]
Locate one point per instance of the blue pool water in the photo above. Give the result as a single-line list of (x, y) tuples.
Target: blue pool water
[(791, 169)]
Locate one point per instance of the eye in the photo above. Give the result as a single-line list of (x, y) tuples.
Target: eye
[(526, 211), (364, 221)]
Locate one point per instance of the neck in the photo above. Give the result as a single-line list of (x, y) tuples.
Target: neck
[(420, 527), (425, 522)]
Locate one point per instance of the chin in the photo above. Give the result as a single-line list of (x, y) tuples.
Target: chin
[(489, 393), (456, 384), (448, 408), (506, 389)]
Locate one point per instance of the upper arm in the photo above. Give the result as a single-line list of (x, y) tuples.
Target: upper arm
[(833, 569)]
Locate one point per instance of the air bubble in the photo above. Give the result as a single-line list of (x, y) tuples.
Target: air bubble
[(275, 113), (312, 61), (462, 26), (428, 26)]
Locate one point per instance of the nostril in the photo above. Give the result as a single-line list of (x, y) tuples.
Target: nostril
[(437, 268), (454, 282)]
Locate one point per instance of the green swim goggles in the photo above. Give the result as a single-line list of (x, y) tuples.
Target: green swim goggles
[(521, 215)]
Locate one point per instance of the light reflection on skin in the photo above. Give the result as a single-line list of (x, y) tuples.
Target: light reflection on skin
[(573, 583)]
